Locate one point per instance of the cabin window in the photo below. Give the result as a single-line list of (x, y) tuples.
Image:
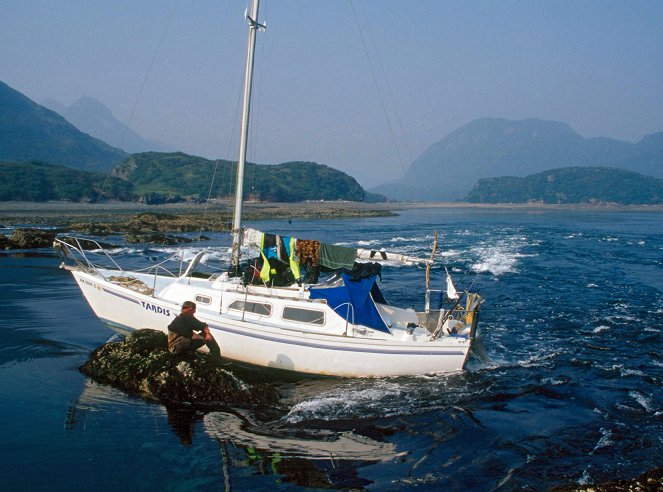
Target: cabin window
[(252, 307), (311, 316), (203, 299)]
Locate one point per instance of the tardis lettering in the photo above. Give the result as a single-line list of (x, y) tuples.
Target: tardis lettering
[(156, 309)]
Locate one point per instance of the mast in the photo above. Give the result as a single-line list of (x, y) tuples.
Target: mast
[(254, 26)]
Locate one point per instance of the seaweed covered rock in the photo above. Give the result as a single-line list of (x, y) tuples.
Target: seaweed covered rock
[(28, 238), (5, 242), (87, 244), (142, 364), (649, 481), (157, 237)]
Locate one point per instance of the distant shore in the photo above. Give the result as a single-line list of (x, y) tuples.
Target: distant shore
[(62, 214)]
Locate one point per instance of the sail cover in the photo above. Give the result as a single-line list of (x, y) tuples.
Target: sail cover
[(353, 300)]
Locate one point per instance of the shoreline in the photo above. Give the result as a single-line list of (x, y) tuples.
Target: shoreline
[(65, 213)]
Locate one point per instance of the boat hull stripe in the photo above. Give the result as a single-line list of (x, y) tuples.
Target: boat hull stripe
[(320, 345), (342, 349), (122, 296)]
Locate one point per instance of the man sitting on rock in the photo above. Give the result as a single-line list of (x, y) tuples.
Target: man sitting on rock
[(182, 336)]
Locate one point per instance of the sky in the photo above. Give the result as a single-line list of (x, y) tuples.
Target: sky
[(364, 86)]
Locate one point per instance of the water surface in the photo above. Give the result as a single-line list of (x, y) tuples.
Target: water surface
[(570, 392)]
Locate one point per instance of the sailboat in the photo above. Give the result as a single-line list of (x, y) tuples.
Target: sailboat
[(277, 310)]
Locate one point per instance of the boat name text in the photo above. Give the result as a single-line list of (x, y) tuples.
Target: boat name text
[(156, 309)]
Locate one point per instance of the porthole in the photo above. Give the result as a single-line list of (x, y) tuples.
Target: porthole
[(206, 300), (259, 308), (310, 316)]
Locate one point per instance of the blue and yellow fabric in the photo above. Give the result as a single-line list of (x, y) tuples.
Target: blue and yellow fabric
[(277, 248)]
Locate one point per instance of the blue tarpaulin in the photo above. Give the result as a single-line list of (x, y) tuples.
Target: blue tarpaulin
[(356, 294)]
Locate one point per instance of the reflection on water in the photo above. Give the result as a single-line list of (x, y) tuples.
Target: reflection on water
[(182, 421), (313, 444), (305, 456)]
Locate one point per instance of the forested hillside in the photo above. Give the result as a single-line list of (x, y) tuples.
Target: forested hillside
[(191, 176), (39, 182), (571, 185)]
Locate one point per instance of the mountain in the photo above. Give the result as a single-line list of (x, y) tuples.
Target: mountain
[(179, 173), (492, 147), (38, 182), (571, 185), (29, 131), (92, 117)]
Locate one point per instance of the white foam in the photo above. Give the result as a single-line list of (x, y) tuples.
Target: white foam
[(377, 398), (363, 244), (604, 441), (644, 401), (586, 477), (501, 256)]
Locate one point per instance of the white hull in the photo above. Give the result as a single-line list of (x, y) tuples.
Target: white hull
[(337, 352)]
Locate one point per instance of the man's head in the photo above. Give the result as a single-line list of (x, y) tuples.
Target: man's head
[(188, 307)]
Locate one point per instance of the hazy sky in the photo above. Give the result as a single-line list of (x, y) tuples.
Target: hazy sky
[(172, 70)]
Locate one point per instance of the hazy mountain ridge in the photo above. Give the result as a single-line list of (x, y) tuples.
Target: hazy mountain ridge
[(492, 147), (93, 117), (571, 185), (29, 131), (485, 148), (32, 138)]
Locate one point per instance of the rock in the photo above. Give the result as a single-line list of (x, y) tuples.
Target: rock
[(88, 244), (94, 228), (151, 222), (31, 238), (158, 199), (5, 242), (159, 238), (142, 364), (651, 480)]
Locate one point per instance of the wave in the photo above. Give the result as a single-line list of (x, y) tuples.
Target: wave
[(604, 441), (346, 402), (644, 401)]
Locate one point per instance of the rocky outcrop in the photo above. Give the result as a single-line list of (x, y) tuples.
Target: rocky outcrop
[(150, 222), (141, 364), (157, 237), (28, 239), (87, 244), (649, 481)]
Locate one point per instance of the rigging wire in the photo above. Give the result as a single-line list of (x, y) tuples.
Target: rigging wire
[(139, 95), (377, 86), (227, 176), (229, 132), (389, 92), (396, 115)]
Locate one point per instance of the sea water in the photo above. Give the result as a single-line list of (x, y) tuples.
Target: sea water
[(568, 389)]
